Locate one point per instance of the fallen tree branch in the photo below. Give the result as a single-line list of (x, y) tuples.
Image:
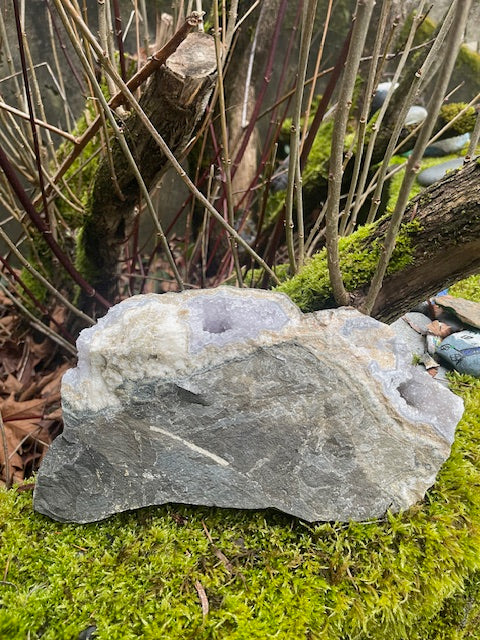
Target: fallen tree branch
[(441, 248)]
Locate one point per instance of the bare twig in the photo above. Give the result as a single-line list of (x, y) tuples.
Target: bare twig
[(359, 33), (36, 143), (118, 35), (42, 227), (118, 132), (226, 161), (317, 68), (40, 123), (474, 138), (452, 33), (362, 125), (414, 87), (379, 119), (163, 146), (103, 35), (6, 463), (44, 281), (308, 19), (36, 324), (138, 79)]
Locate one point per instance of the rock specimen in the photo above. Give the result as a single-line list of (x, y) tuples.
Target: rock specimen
[(438, 171), (462, 351), (235, 398), (448, 145), (465, 310)]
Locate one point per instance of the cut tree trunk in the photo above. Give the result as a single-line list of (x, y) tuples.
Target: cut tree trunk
[(174, 100)]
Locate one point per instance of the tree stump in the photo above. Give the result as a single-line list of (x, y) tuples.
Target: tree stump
[(174, 100)]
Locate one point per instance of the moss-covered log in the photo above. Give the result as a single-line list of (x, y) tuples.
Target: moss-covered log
[(439, 244), (174, 100)]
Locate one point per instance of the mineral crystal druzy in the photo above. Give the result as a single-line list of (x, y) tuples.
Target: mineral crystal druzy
[(235, 398)]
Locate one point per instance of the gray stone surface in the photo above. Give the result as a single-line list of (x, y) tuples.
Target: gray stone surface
[(235, 398), (438, 171), (412, 329), (448, 145), (467, 311)]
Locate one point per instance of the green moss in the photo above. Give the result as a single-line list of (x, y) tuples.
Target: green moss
[(134, 575), (316, 168), (469, 288), (468, 67), (81, 173), (82, 263), (465, 123), (42, 260), (80, 179), (310, 288)]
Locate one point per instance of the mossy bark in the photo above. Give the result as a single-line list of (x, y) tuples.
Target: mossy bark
[(447, 247), (174, 100), (439, 244)]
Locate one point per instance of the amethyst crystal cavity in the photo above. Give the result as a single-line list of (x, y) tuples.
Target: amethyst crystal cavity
[(235, 398)]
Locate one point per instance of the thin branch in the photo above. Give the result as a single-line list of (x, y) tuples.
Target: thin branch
[(118, 35), (405, 105), (362, 125), (36, 144), (226, 161), (309, 11), (40, 123), (118, 132), (379, 119), (157, 60), (6, 463), (317, 69), (42, 227), (40, 326), (103, 35), (53, 45), (43, 281), (451, 39), (359, 33), (474, 138), (325, 100)]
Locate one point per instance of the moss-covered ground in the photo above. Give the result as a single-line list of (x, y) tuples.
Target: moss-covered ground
[(412, 576)]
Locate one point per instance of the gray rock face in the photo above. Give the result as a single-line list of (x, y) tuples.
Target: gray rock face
[(235, 398), (448, 145), (437, 172)]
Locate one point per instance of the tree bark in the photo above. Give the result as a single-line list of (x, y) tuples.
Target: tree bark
[(443, 248), (174, 100), (447, 248)]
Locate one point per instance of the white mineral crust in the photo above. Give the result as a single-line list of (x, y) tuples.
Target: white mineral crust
[(162, 336)]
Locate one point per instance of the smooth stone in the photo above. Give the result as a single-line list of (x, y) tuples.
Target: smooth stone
[(447, 146), (434, 174), (466, 310), (415, 340), (380, 95), (415, 115), (462, 351), (234, 398), (412, 329)]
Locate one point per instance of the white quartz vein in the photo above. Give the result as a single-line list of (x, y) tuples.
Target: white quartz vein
[(192, 446)]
